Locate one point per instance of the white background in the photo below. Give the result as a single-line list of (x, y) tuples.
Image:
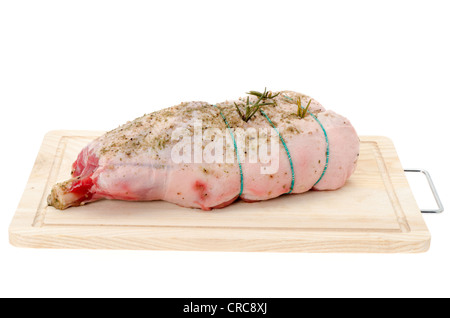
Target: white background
[(92, 65)]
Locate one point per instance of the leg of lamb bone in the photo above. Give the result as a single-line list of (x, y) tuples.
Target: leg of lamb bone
[(135, 161)]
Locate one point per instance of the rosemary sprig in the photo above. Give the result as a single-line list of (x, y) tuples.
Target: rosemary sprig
[(250, 109), (301, 112), (265, 95)]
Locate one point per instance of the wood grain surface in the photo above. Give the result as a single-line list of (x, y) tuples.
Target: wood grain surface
[(374, 212)]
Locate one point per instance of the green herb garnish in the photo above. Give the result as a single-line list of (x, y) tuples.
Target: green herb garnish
[(265, 95), (250, 109), (301, 112)]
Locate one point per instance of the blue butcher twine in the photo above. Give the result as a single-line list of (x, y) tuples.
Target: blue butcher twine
[(326, 139), (235, 149), (285, 147)]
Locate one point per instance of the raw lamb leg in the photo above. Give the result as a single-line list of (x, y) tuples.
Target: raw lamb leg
[(140, 161)]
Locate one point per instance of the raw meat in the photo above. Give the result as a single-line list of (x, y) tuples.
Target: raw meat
[(143, 160)]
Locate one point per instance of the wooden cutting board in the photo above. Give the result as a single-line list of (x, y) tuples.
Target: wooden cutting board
[(374, 212)]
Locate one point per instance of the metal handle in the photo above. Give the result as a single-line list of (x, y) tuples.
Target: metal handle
[(433, 189)]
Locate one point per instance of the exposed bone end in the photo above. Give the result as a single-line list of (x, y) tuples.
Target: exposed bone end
[(62, 198)]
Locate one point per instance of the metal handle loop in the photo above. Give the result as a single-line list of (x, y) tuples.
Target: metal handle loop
[(433, 189)]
